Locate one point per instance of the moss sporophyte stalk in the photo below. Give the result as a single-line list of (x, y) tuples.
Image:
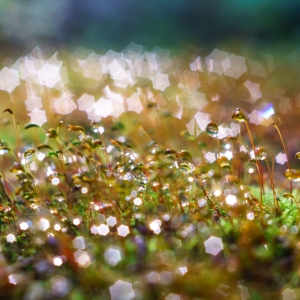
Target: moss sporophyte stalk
[(85, 211)]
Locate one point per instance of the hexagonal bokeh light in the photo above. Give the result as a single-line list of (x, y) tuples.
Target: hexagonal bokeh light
[(213, 245)]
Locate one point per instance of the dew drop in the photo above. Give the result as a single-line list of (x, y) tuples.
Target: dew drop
[(170, 151), (4, 149), (184, 155), (138, 174), (200, 169), (59, 196), (238, 115), (223, 162), (150, 161), (288, 196), (43, 146), (17, 168), (29, 152), (97, 143), (51, 133), (75, 128), (212, 129), (292, 174), (153, 147), (88, 141), (185, 167), (95, 126), (119, 168), (260, 153)]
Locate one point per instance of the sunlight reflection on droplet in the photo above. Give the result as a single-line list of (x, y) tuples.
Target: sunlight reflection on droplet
[(137, 201), (217, 193), (57, 261), (84, 190), (76, 221), (250, 216), (55, 181), (155, 226), (182, 270), (24, 226), (231, 200), (43, 224), (57, 227)]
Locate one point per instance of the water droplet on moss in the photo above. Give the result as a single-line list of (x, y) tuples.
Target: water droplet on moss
[(288, 196), (76, 128), (51, 133), (292, 174), (238, 115), (17, 168), (44, 146), (59, 196), (170, 151), (97, 143), (223, 162), (212, 129), (138, 174), (260, 153), (184, 155), (185, 167), (29, 152), (4, 149), (119, 167), (201, 170)]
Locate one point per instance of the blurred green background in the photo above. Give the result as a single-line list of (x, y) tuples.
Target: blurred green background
[(103, 25)]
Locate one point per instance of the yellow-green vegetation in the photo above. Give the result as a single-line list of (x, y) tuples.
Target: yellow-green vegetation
[(86, 216)]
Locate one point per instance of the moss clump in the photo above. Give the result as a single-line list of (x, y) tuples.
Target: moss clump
[(86, 215)]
